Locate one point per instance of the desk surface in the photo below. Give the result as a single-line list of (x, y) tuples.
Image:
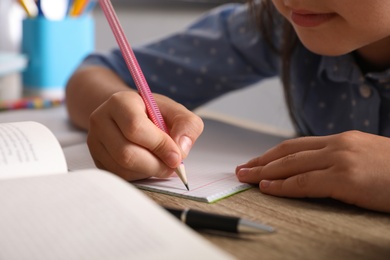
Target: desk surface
[(306, 229)]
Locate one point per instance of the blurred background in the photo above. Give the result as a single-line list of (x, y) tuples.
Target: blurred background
[(260, 107), (144, 20)]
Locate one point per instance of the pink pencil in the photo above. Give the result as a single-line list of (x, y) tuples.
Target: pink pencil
[(138, 76)]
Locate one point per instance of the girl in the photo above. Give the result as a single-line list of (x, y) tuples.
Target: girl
[(333, 58)]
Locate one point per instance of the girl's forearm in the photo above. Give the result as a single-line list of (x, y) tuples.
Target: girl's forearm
[(87, 89)]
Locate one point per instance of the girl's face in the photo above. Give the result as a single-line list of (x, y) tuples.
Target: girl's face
[(336, 27)]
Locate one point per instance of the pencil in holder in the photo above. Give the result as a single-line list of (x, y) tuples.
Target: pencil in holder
[(54, 49)]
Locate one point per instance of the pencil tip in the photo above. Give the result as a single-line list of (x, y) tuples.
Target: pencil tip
[(181, 172)]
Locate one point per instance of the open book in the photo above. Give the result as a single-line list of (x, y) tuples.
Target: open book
[(49, 213)]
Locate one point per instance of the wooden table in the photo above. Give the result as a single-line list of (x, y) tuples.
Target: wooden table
[(306, 229)]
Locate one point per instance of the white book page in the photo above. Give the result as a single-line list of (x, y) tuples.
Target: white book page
[(210, 165), (29, 148), (91, 214)]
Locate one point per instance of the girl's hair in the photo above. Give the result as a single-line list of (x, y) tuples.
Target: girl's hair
[(268, 20)]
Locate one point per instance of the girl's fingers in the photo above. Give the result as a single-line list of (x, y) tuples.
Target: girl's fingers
[(145, 134), (287, 166), (119, 155), (287, 148), (141, 166), (122, 138), (185, 126), (185, 131), (136, 128), (313, 184)]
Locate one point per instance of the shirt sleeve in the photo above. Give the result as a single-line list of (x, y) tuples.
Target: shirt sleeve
[(220, 52)]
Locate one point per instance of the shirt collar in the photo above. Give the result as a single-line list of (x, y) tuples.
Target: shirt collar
[(380, 77), (340, 69), (344, 69)]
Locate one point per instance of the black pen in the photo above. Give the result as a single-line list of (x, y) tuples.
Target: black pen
[(201, 220)]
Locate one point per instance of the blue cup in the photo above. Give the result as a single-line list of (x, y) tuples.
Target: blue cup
[(54, 49)]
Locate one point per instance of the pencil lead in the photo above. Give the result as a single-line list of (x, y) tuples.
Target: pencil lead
[(181, 172)]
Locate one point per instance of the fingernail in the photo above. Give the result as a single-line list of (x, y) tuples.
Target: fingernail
[(242, 165), (185, 144), (172, 159), (264, 184), (242, 172)]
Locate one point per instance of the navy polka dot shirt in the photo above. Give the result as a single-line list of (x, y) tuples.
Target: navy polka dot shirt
[(223, 51)]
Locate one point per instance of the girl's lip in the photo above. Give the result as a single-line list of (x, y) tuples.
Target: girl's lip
[(305, 18)]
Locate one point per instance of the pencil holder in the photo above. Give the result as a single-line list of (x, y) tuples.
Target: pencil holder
[(54, 49)]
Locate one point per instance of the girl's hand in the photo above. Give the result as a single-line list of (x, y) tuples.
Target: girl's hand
[(353, 167), (123, 140)]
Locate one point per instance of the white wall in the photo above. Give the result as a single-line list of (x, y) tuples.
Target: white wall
[(143, 23)]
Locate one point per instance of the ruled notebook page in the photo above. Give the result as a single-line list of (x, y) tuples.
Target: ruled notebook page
[(208, 181)]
